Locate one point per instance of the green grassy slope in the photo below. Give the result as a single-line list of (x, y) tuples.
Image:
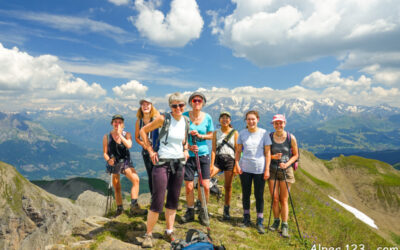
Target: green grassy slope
[(321, 221)]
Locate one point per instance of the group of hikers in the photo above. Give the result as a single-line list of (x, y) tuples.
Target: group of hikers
[(171, 142)]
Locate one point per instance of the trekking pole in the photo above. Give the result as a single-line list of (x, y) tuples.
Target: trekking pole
[(272, 198), (291, 202), (203, 196), (109, 196)]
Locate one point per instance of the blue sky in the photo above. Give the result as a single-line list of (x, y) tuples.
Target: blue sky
[(56, 52)]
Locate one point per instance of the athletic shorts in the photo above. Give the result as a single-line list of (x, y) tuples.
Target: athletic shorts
[(279, 176), (119, 168), (191, 167), (224, 162)]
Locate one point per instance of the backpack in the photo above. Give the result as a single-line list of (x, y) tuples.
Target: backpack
[(295, 165), (214, 189), (165, 128), (226, 141), (195, 240), (153, 135)]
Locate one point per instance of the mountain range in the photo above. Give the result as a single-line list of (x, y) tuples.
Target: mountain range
[(66, 141)]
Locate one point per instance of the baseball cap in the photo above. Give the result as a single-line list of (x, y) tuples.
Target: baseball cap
[(278, 117), (145, 100)]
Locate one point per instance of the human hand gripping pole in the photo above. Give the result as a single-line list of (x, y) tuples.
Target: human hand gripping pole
[(203, 196)]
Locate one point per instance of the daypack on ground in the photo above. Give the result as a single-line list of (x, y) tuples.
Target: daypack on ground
[(295, 165), (195, 240)]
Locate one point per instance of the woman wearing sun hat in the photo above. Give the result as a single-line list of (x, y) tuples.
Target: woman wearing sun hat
[(202, 127), (282, 160), (146, 114), (223, 156), (116, 147)]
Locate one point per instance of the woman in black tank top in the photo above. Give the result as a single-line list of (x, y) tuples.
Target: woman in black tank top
[(281, 160), (116, 147)]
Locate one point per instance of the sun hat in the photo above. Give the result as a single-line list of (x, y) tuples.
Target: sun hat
[(197, 94), (145, 100), (278, 117)]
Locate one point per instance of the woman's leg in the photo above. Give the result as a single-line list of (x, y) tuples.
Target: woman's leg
[(189, 188), (205, 174), (259, 184), (284, 194), (275, 206), (214, 171), (149, 167), (228, 187), (245, 180), (131, 174), (170, 218), (157, 199), (117, 189), (152, 218), (206, 186)]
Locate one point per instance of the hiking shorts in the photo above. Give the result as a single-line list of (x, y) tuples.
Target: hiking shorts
[(191, 167), (119, 168), (279, 175), (165, 180), (224, 162)]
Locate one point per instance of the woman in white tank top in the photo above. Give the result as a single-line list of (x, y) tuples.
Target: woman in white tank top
[(168, 171), (223, 156)]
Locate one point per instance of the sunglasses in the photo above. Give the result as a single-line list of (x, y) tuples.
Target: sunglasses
[(197, 100), (181, 105)]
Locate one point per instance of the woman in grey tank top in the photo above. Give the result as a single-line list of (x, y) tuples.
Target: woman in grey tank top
[(281, 164)]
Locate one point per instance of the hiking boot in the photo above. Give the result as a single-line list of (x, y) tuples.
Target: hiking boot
[(169, 237), (202, 217), (119, 211), (260, 226), (226, 215), (136, 210), (285, 230), (189, 215), (246, 220), (148, 241), (275, 225)]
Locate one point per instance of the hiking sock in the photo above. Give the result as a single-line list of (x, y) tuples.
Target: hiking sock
[(168, 231), (133, 202), (260, 215)]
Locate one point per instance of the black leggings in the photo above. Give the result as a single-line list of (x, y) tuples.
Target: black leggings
[(259, 183), (149, 168)]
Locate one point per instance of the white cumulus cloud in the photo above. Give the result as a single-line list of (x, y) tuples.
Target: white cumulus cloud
[(120, 2), (316, 86), (273, 32), (130, 90), (181, 25), (40, 78)]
